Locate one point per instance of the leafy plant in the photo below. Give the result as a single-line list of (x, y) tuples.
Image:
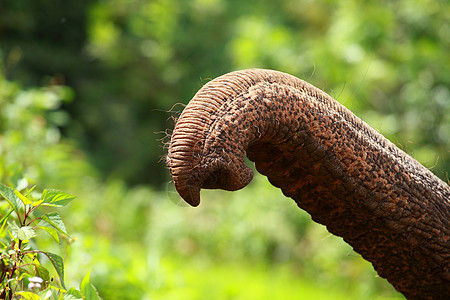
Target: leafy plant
[(25, 216)]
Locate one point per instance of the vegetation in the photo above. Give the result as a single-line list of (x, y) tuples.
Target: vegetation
[(85, 86), (21, 261)]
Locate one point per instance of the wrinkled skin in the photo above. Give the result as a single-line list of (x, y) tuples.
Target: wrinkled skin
[(392, 210)]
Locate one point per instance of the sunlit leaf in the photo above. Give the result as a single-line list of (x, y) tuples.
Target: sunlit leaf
[(58, 263), (88, 289), (52, 231), (31, 189), (22, 183), (3, 220), (37, 203), (46, 294), (56, 198), (11, 197), (28, 200), (54, 220), (73, 294), (58, 291), (22, 233), (22, 198), (29, 295)]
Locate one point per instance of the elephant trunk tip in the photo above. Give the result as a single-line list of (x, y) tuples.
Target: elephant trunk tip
[(183, 176), (218, 175), (190, 194)]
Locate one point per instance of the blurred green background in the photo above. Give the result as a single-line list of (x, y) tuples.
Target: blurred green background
[(88, 94)]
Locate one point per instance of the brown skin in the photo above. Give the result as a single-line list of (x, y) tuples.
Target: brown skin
[(392, 210)]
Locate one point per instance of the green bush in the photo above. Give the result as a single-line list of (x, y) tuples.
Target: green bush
[(25, 218), (31, 151), (31, 146), (128, 64)]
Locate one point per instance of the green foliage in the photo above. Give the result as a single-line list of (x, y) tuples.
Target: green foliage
[(88, 289), (130, 64), (30, 139), (108, 75), (21, 260), (140, 244), (258, 282)]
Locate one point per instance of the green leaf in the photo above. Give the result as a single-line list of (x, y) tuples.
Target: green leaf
[(42, 272), (37, 213), (52, 231), (88, 289), (73, 294), (3, 220), (37, 203), (54, 220), (46, 294), (22, 198), (58, 263), (22, 233), (11, 197), (26, 233), (56, 198), (3, 270), (29, 295), (22, 184)]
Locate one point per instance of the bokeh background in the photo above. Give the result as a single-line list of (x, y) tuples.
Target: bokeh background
[(89, 91)]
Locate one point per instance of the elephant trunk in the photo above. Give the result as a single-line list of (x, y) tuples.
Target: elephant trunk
[(391, 209), (190, 168)]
